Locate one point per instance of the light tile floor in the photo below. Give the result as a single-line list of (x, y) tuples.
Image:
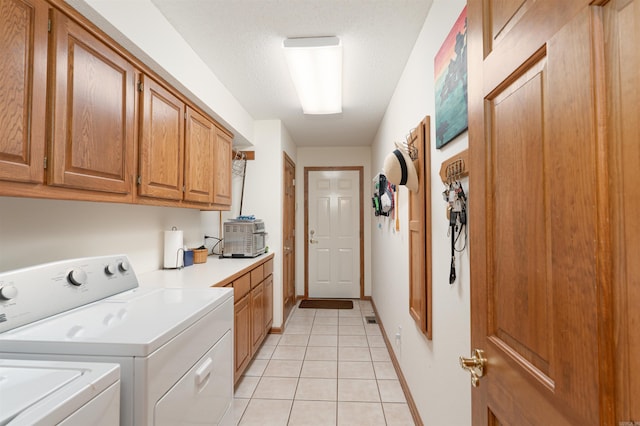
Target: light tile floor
[(328, 368)]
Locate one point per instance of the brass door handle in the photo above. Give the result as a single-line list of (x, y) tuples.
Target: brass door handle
[(474, 365), (312, 241)]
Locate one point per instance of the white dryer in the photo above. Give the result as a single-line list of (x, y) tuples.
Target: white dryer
[(174, 346), (59, 393)]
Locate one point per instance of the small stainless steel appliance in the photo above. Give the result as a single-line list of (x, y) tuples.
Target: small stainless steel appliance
[(244, 238)]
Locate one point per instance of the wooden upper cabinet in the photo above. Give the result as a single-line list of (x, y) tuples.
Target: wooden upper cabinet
[(199, 158), (74, 126), (222, 169), (93, 101), (23, 78), (161, 142)]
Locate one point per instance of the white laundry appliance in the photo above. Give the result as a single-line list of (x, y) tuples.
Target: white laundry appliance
[(60, 393), (174, 346)]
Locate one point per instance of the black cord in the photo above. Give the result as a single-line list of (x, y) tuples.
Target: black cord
[(215, 245)]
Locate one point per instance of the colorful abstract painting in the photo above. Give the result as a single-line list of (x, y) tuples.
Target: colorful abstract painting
[(451, 83)]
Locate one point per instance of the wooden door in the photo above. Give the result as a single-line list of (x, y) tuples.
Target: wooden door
[(257, 317), (540, 263), (242, 335), (420, 232), (222, 156), (333, 231), (199, 158), (161, 142), (23, 81), (93, 112), (288, 237)]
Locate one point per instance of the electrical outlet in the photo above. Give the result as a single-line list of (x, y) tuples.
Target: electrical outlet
[(399, 333)]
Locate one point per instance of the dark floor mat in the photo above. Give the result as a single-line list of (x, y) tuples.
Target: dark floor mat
[(326, 304)]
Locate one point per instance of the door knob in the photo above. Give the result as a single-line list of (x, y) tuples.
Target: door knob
[(311, 234), (474, 365)]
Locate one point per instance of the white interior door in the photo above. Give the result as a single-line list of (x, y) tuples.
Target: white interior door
[(333, 238)]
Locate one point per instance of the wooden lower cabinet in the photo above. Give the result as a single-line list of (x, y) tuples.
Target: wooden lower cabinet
[(242, 335), (257, 317), (253, 295), (268, 303)]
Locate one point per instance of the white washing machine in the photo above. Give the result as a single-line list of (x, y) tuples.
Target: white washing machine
[(174, 346), (59, 393)]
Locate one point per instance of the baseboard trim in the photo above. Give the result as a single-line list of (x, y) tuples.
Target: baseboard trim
[(403, 383), (275, 330)]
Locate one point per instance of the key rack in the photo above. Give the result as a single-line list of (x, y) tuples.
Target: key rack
[(455, 167)]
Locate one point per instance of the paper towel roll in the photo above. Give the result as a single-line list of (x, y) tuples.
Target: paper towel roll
[(173, 251)]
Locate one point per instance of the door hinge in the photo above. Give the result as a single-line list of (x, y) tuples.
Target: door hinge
[(45, 163), (293, 182), (139, 180), (184, 188), (49, 25), (140, 86)]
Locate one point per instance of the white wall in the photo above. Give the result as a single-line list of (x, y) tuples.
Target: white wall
[(35, 231), (332, 157), (439, 387)]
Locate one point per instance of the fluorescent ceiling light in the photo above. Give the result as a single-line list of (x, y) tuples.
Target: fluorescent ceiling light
[(315, 65)]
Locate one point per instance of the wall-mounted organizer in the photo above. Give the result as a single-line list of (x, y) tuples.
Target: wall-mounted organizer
[(451, 171), (455, 168)]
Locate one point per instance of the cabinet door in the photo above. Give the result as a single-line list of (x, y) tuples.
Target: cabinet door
[(23, 78), (94, 112), (161, 143), (268, 303), (257, 317), (199, 158), (222, 169), (242, 335)]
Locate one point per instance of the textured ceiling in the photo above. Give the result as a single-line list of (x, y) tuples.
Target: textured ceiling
[(241, 41)]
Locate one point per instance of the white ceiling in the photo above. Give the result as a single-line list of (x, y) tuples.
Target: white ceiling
[(241, 41)]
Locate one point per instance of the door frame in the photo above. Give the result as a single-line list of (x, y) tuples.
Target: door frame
[(287, 160), (360, 170)]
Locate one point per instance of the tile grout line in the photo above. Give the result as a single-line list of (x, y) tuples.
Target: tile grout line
[(349, 322)]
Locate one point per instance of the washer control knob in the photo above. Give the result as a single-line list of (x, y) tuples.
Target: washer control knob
[(124, 266), (110, 269), (8, 292), (77, 277)]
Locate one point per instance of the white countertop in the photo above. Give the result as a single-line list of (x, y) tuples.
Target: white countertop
[(198, 275)]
